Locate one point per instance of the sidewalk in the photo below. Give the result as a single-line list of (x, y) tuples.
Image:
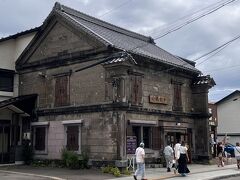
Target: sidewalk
[(198, 172)]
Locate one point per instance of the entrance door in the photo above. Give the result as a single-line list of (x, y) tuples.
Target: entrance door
[(173, 137), (4, 143)]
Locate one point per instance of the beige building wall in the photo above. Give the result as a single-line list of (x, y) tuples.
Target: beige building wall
[(10, 50)]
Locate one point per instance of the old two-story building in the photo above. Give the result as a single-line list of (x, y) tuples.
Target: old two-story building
[(10, 112), (101, 89)]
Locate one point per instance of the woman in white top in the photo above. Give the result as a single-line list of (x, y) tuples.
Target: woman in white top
[(183, 159), (237, 154)]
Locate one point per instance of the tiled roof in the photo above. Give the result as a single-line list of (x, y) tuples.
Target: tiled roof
[(120, 38), (19, 34)]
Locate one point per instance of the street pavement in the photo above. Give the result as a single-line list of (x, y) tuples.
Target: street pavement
[(198, 172)]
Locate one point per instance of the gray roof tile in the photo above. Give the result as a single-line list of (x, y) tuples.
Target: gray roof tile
[(121, 38)]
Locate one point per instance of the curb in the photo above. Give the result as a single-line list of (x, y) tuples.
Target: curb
[(35, 175), (226, 176)]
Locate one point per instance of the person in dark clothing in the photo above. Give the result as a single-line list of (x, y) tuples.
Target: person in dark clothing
[(183, 159), (220, 148)]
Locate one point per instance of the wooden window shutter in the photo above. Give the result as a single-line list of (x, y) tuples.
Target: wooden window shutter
[(72, 138), (156, 138), (40, 138), (177, 99), (61, 91), (136, 90), (139, 92)]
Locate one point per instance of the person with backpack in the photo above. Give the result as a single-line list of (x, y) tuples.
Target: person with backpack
[(237, 154)]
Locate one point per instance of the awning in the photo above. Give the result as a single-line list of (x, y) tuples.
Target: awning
[(22, 105)]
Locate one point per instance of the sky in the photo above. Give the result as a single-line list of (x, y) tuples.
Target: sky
[(150, 17)]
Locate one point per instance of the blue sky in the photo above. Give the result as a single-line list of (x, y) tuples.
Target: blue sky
[(149, 18)]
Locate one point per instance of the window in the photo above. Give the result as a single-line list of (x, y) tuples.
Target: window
[(156, 138), (73, 135), (40, 132), (6, 81), (62, 91), (72, 138), (142, 134), (177, 97), (136, 90)]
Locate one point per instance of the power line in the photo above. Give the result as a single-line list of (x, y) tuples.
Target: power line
[(219, 47), (211, 55), (167, 26), (193, 20), (117, 7)]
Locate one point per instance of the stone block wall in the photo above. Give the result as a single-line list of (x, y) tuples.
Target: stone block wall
[(98, 135)]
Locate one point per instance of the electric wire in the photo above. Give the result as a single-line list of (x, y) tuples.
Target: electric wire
[(192, 20), (167, 26), (117, 7)]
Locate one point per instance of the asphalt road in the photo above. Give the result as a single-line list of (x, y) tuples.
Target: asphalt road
[(8, 176)]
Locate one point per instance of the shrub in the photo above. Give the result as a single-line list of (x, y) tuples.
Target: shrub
[(27, 152), (116, 172), (127, 172), (70, 159), (106, 169), (112, 170)]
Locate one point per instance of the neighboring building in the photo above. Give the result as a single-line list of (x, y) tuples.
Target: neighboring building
[(229, 118), (102, 90), (213, 123), (10, 115)]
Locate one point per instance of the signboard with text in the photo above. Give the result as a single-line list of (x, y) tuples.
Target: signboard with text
[(131, 144), (157, 99)]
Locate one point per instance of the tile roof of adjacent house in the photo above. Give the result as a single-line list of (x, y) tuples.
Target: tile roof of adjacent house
[(120, 38), (15, 36)]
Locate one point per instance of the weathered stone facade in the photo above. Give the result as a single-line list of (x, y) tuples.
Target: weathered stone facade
[(108, 100)]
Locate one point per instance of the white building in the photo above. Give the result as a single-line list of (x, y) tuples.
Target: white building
[(11, 115), (10, 49), (228, 113)]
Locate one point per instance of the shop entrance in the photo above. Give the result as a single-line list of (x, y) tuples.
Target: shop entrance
[(4, 142), (172, 138)]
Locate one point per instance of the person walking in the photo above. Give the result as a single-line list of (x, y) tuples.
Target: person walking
[(168, 154), (220, 154), (183, 159), (140, 156), (237, 154), (176, 155)]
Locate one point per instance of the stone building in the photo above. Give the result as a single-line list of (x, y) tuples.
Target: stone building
[(102, 89)]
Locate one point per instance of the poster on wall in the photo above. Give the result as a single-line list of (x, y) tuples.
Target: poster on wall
[(131, 144)]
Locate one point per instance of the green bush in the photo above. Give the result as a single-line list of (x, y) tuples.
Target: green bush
[(83, 160), (112, 170), (116, 172), (106, 169), (127, 172), (70, 159)]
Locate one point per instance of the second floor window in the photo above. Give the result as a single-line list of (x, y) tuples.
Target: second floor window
[(62, 91), (177, 97), (136, 90), (6, 81)]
